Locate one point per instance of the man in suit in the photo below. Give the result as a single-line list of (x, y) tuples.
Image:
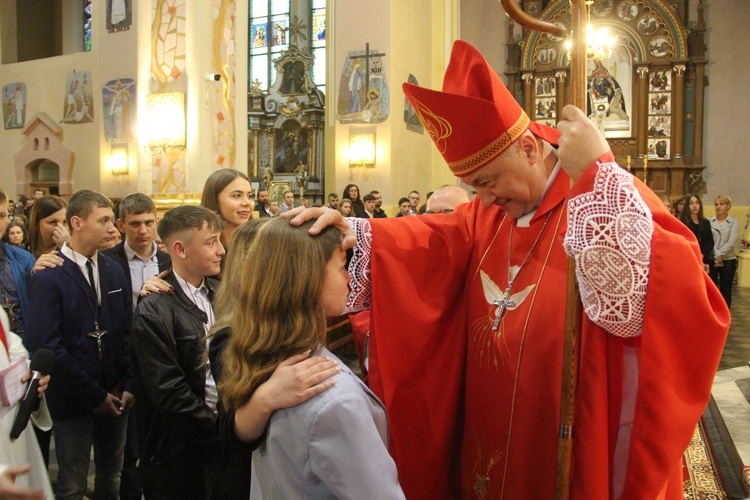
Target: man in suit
[(140, 258), (82, 312)]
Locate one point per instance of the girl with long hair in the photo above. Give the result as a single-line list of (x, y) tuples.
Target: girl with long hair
[(48, 227), (334, 444), (346, 208), (228, 193), (351, 191), (692, 217)]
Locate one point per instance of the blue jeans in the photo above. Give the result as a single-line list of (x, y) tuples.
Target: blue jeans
[(73, 440)]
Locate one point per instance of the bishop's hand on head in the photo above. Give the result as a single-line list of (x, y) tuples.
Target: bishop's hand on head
[(581, 142)]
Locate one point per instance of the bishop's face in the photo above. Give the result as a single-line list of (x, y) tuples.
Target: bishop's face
[(514, 181)]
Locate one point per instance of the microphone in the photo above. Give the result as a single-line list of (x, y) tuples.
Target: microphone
[(42, 362)]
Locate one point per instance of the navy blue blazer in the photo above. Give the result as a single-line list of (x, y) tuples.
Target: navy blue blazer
[(62, 303), (117, 253)]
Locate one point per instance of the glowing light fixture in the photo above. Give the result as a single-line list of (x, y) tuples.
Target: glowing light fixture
[(362, 150), (117, 163), (599, 43), (164, 125)]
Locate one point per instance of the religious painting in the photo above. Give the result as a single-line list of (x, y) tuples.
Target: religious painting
[(546, 54), (546, 107), (118, 101), (601, 8), (319, 26), (658, 149), (648, 25), (259, 35), (659, 46), (363, 91), (410, 116), (291, 147), (277, 190), (280, 27), (628, 10), (545, 86), (659, 126), (609, 94), (14, 105), (294, 78), (660, 81), (119, 15), (79, 100), (660, 103)]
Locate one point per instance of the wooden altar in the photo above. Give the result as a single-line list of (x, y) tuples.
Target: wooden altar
[(647, 97)]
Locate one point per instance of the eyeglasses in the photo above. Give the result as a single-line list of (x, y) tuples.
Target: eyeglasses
[(446, 211)]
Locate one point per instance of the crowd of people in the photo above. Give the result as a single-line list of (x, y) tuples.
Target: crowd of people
[(191, 356)]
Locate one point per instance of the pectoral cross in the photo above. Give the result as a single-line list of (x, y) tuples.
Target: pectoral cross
[(98, 334), (501, 304)]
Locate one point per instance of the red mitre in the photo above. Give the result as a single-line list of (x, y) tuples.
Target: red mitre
[(474, 119)]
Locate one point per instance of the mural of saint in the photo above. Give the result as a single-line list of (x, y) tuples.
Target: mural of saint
[(79, 104), (410, 116), (14, 105), (119, 108), (363, 90)]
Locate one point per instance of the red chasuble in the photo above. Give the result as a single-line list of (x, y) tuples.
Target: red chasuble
[(474, 411)]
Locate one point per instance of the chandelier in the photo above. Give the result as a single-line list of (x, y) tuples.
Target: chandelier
[(599, 43)]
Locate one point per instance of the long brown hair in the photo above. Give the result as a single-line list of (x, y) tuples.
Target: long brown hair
[(277, 312), (43, 208), (215, 184)]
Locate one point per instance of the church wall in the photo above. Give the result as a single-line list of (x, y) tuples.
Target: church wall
[(727, 104)]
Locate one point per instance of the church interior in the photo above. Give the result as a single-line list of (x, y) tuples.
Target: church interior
[(305, 95)]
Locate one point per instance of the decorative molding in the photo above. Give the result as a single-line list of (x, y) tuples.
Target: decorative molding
[(679, 69)]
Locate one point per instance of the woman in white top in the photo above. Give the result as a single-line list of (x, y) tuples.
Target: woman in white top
[(726, 233)]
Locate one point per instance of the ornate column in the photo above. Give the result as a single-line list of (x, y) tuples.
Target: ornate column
[(641, 138), (678, 118), (561, 76), (700, 78), (254, 173), (528, 93), (312, 154)]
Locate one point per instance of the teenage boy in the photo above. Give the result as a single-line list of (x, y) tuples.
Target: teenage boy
[(82, 313), (140, 258), (369, 201), (176, 411)]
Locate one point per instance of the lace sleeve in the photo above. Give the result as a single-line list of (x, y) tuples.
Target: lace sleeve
[(609, 234), (360, 297)]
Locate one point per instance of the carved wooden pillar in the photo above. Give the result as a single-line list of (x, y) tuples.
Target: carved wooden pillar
[(312, 154), (700, 79), (528, 93), (561, 76), (678, 118), (256, 154), (641, 142)]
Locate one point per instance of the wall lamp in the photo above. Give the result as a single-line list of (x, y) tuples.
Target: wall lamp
[(164, 125), (117, 163), (361, 150)]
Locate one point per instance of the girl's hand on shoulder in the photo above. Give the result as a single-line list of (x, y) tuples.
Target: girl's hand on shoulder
[(298, 379)]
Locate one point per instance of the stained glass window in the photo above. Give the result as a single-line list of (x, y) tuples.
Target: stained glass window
[(318, 39), (87, 25)]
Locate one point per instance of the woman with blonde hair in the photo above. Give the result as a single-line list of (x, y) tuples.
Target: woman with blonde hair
[(334, 444), (726, 232), (346, 207), (297, 379)]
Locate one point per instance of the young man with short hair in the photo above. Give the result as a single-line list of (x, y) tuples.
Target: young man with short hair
[(273, 208), (176, 412), (414, 202), (82, 312), (140, 259), (333, 201), (379, 213), (369, 201), (288, 202)]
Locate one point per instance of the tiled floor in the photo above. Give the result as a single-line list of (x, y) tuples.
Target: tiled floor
[(728, 416)]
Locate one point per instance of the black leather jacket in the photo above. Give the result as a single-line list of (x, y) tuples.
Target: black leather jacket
[(176, 429)]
